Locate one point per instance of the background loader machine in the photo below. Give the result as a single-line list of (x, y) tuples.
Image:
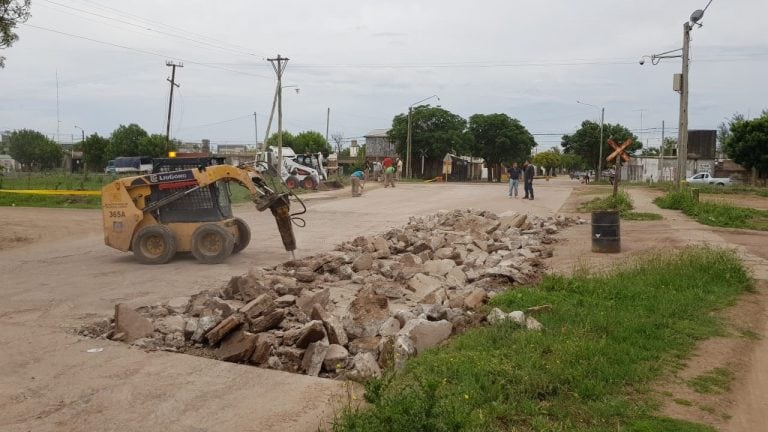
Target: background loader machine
[(184, 206)]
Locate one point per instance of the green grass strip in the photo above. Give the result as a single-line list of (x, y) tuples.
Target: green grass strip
[(53, 201), (606, 340), (714, 214)]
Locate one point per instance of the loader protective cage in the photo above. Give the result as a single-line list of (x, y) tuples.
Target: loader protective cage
[(206, 204)]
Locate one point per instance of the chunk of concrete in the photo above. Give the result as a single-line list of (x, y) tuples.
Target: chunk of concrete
[(178, 305), (257, 307), (364, 367), (363, 262), (263, 348), (439, 267), (313, 358), (426, 334), (268, 321), (131, 324), (475, 299), (237, 347), (223, 328), (390, 327), (335, 358)]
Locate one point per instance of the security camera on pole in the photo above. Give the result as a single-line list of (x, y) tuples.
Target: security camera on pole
[(680, 84)]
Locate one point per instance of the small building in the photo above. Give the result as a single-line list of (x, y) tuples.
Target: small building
[(378, 145), (231, 149), (8, 164)]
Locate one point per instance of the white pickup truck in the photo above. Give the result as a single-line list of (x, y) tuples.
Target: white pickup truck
[(706, 178)]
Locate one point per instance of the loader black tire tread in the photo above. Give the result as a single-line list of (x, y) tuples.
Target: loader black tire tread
[(212, 243), (154, 244)]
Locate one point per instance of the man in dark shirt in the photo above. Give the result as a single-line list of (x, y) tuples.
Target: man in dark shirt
[(528, 173), (514, 178)]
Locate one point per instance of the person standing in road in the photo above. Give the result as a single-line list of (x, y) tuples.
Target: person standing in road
[(514, 178), (399, 169), (529, 171), (357, 178), (389, 176)]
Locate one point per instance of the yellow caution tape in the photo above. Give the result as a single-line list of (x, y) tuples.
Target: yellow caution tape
[(51, 192)]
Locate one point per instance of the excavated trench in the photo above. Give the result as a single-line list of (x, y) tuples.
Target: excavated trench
[(371, 303)]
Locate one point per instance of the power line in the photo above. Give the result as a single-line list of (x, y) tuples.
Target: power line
[(142, 51), (197, 37)]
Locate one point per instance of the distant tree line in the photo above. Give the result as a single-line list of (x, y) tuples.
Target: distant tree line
[(34, 151), (304, 142)]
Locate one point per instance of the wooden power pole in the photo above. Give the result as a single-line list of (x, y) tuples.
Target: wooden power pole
[(170, 101)]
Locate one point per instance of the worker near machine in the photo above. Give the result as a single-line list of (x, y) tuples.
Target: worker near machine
[(389, 176), (358, 181), (514, 177), (399, 169)]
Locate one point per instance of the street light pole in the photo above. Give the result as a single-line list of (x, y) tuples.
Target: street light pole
[(682, 133), (408, 170), (82, 142), (408, 147)]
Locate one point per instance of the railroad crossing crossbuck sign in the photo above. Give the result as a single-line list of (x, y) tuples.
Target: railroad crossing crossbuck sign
[(619, 150)]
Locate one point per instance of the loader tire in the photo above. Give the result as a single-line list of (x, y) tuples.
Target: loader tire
[(243, 235), (154, 244), (309, 183), (292, 182), (212, 243)]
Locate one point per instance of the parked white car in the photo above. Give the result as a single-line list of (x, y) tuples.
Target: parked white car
[(706, 178)]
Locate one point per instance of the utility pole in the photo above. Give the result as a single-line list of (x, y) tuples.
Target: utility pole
[(661, 153), (600, 154), (278, 64), (271, 115), (256, 129), (58, 122), (408, 146), (682, 133), (170, 101), (327, 124)]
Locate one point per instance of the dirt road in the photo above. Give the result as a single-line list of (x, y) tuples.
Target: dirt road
[(56, 274)]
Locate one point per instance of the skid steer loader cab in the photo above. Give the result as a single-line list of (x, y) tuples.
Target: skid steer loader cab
[(185, 206)]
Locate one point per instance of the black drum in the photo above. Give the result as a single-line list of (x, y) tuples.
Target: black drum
[(606, 230)]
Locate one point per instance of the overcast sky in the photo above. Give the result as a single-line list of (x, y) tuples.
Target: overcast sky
[(369, 60)]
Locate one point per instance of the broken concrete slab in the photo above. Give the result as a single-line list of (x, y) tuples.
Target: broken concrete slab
[(313, 358), (426, 334), (335, 358), (236, 347), (263, 346), (131, 324), (223, 328)]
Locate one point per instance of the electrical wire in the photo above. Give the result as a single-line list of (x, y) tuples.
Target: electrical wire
[(144, 27), (142, 51)]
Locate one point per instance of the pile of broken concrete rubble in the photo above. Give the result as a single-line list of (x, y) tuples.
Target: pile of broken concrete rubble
[(371, 303)]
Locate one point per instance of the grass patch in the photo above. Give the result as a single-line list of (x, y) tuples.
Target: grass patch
[(621, 202), (715, 381), (641, 216), (714, 214), (606, 340), (57, 201), (56, 181)]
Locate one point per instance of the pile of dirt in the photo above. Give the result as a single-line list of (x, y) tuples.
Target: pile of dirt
[(371, 303)]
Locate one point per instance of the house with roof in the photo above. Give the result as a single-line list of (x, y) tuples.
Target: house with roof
[(378, 145)]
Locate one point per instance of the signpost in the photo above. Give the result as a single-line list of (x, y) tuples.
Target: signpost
[(619, 154)]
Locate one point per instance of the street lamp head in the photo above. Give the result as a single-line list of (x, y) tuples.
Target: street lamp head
[(696, 16)]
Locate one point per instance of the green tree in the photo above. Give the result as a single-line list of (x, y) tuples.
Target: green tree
[(12, 13), (434, 132), (585, 141), (288, 139), (310, 142), (155, 145), (669, 147), (747, 144), (499, 138), (549, 160), (650, 151), (124, 141), (571, 162), (34, 150), (95, 152)]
